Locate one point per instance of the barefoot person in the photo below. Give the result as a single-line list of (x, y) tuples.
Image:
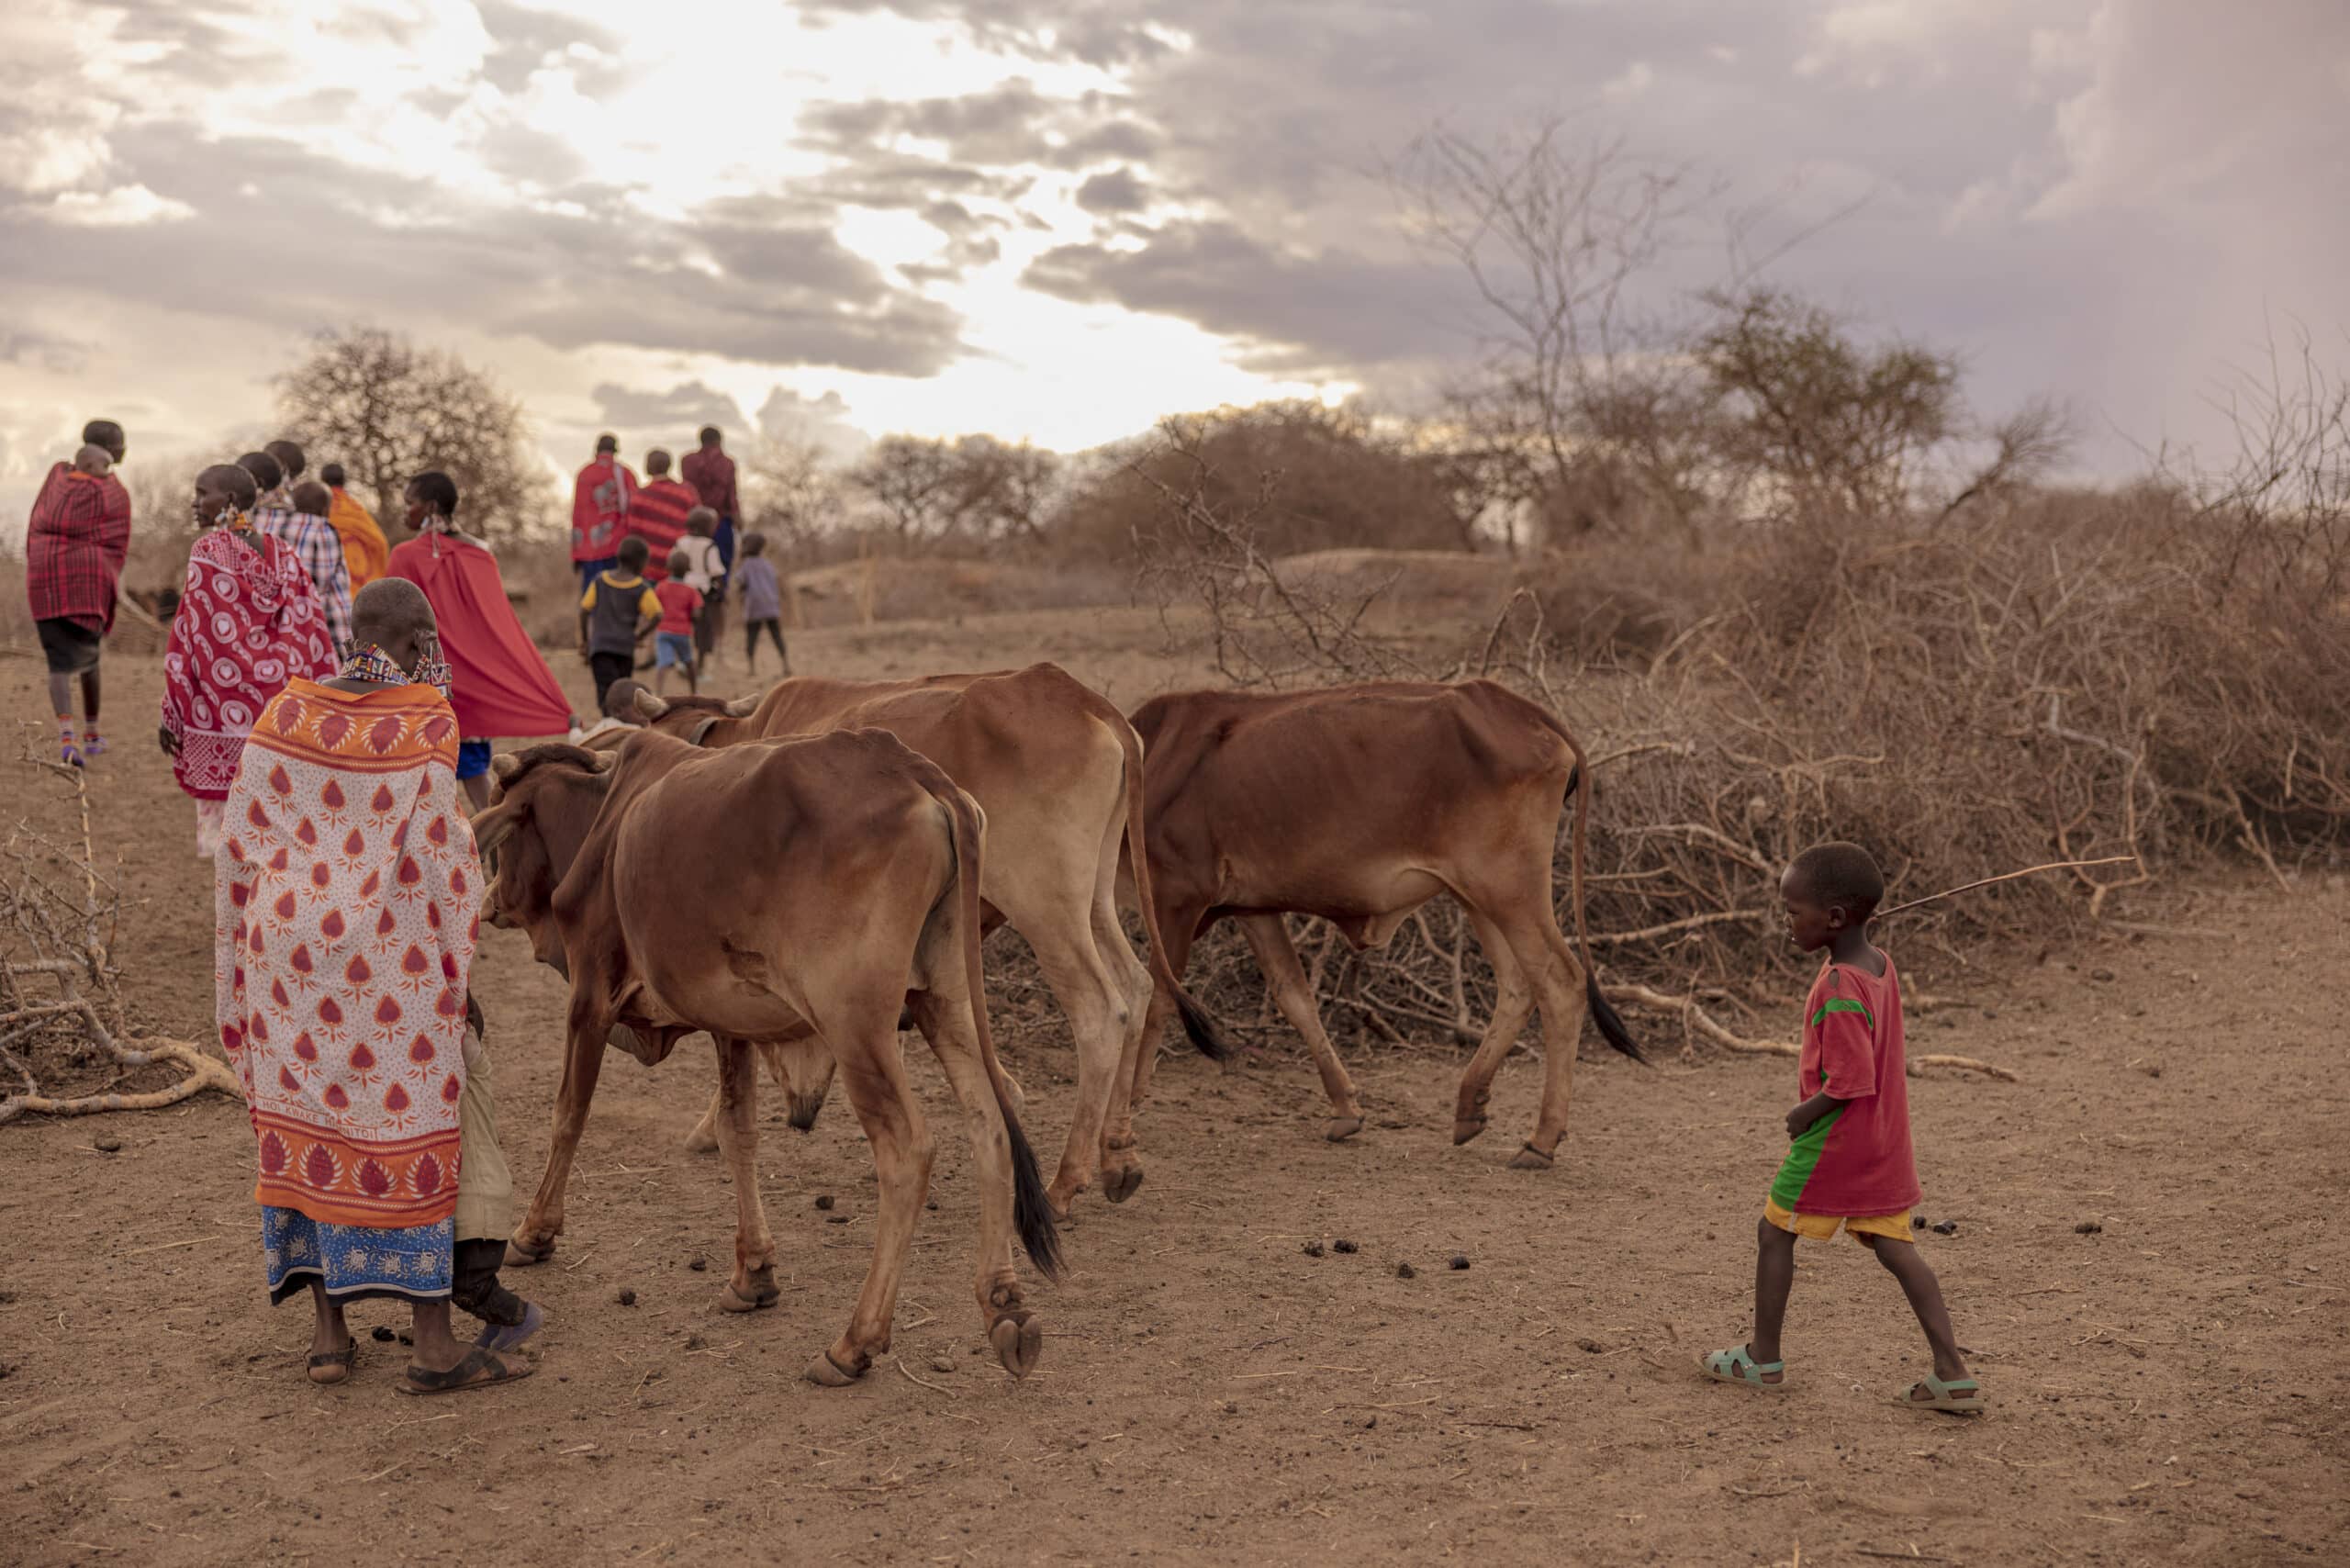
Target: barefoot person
[(345, 927), (74, 546), (762, 592), (673, 640), (248, 621), (1851, 1166), (503, 688)]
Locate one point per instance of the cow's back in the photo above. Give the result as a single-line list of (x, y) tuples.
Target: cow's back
[(1266, 789)]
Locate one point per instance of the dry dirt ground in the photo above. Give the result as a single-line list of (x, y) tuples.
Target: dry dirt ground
[(2168, 1388)]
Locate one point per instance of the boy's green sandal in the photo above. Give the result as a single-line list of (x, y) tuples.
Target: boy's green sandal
[(1740, 1366), (1959, 1396)]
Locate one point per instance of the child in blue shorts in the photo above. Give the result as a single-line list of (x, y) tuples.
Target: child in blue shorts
[(673, 640)]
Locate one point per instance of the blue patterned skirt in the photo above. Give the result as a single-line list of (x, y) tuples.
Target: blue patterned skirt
[(355, 1261)]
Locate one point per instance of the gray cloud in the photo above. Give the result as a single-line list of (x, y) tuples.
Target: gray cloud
[(792, 295), (1113, 191), (670, 416), (56, 355), (1323, 310)]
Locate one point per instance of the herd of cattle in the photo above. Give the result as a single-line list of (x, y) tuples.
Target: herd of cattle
[(856, 840)]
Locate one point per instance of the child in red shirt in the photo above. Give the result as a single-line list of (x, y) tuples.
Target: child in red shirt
[(1850, 1166), (673, 640)]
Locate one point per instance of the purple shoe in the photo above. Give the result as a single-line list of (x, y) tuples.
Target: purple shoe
[(502, 1337)]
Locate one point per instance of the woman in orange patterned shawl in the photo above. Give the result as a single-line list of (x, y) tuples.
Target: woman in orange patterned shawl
[(345, 909)]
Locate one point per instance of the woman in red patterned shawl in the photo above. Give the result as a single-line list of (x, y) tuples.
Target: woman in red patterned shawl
[(249, 621)]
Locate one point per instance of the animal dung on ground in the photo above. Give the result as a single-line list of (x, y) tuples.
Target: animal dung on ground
[(106, 1143), (942, 1363), (1343, 1245), (698, 1263), (1946, 1227), (1460, 1261), (824, 1200), (626, 1296), (1313, 1249), (1589, 1346), (2087, 1227), (695, 1342), (1406, 1272), (1917, 1222)]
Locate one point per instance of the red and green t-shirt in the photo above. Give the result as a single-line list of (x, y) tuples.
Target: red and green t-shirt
[(1856, 1159)]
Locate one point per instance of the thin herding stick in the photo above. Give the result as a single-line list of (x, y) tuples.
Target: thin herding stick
[(2008, 877)]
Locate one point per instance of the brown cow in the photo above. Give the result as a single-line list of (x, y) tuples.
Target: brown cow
[(1059, 774), (843, 889), (1359, 803)]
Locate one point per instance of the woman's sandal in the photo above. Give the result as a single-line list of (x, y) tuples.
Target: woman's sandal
[(480, 1369), (1959, 1396), (1740, 1366), (341, 1361)]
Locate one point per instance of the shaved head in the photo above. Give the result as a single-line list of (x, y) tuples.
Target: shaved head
[(267, 471), (392, 614), (313, 498), (289, 457), (221, 487)]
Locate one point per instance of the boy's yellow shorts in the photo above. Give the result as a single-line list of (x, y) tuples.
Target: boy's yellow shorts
[(1823, 1228)]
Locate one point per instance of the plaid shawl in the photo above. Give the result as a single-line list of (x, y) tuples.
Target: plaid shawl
[(74, 547), (658, 517)]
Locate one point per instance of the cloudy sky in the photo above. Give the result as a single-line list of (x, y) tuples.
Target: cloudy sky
[(1057, 221)]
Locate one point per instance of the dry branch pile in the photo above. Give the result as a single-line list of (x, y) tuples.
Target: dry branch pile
[(61, 995), (2069, 677)]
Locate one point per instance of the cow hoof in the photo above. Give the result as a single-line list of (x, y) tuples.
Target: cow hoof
[(762, 1293), (1529, 1159), (521, 1255), (1121, 1184), (1466, 1128), (826, 1372), (1341, 1128), (1017, 1345)]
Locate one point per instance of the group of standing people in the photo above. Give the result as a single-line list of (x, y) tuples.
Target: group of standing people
[(325, 698), (686, 559)]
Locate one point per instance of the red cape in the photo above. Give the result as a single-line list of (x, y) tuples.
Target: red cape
[(502, 688)]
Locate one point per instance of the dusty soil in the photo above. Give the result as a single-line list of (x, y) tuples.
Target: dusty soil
[(2167, 1388)]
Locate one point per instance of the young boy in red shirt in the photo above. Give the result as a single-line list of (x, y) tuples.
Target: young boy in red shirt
[(1849, 1167), (673, 643)]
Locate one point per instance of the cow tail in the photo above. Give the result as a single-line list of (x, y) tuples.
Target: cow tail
[(1030, 1211), (1200, 1027), (1611, 1024)]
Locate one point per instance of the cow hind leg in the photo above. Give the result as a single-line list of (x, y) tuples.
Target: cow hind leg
[(1017, 1337), (1285, 978), (1122, 1173), (583, 1062), (875, 1078), (751, 1285), (1513, 1002), (1556, 979), (1096, 1008)]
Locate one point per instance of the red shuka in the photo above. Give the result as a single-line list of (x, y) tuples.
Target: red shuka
[(658, 517), (501, 687)]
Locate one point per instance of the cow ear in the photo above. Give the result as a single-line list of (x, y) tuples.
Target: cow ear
[(504, 766), (648, 706), (742, 707), (699, 731), (495, 826), (601, 761)]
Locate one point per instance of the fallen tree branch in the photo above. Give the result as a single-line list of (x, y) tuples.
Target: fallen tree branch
[(2004, 877)]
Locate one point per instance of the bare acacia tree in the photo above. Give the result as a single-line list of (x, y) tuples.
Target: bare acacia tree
[(387, 410), (793, 495), (2284, 500), (1578, 390), (974, 489)]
